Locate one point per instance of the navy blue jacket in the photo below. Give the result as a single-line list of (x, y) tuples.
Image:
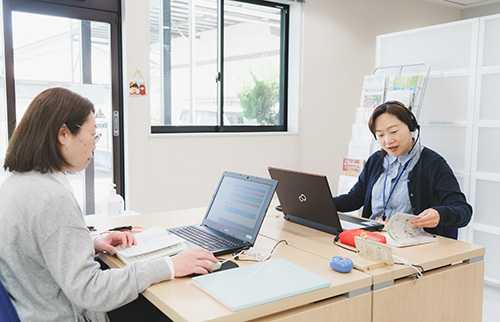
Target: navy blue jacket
[(431, 184)]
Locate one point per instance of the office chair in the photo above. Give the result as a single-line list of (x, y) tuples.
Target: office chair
[(7, 311)]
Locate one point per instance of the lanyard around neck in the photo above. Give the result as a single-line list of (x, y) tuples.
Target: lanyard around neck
[(384, 202)]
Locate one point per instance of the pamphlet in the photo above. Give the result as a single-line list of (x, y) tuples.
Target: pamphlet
[(373, 83), (363, 115), (371, 99), (405, 82), (151, 244), (404, 96), (359, 149), (361, 132), (402, 234), (352, 166)]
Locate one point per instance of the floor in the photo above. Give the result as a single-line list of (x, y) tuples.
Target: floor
[(491, 301)]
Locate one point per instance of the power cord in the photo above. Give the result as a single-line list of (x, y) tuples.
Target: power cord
[(256, 255), (407, 263), (336, 239), (402, 260)]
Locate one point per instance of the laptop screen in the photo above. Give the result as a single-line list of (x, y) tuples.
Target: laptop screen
[(239, 205), (306, 199), (307, 196)]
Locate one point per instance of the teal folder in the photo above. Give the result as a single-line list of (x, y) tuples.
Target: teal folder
[(256, 284)]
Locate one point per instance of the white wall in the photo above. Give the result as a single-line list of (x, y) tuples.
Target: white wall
[(167, 172), (481, 11)]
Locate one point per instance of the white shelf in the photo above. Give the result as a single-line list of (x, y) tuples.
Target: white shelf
[(460, 116)]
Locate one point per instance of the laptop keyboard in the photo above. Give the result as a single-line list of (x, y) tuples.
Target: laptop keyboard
[(349, 225), (203, 238)]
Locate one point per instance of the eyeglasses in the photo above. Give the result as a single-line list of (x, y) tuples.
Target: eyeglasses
[(97, 136)]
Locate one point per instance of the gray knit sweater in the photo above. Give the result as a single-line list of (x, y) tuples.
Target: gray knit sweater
[(47, 256)]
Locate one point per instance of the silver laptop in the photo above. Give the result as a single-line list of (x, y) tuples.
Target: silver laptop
[(306, 199), (234, 216)]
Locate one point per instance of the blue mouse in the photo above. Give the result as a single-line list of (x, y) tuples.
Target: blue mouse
[(341, 264)]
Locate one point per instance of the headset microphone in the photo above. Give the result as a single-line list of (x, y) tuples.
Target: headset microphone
[(416, 140), (413, 126)]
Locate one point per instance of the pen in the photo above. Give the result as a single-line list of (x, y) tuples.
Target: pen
[(121, 228)]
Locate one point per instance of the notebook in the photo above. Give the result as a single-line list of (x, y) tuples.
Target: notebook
[(234, 215), (244, 287), (306, 199)]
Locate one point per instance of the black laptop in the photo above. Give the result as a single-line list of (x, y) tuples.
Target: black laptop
[(306, 199), (234, 216)]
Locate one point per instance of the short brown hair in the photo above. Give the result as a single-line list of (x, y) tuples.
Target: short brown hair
[(34, 145)]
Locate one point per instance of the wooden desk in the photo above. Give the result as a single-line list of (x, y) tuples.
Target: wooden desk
[(451, 289), (182, 301)]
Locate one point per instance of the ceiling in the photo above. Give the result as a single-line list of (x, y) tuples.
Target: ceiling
[(463, 4)]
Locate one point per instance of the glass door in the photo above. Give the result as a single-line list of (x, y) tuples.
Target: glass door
[(60, 49), (3, 107)]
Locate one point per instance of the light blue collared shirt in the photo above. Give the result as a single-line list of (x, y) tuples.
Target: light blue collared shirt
[(399, 201)]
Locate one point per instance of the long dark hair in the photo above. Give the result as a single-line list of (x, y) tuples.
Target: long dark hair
[(34, 144)]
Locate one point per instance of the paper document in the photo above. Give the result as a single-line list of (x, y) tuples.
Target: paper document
[(401, 233), (151, 244)]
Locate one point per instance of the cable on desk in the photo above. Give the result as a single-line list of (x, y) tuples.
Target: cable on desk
[(257, 256), (405, 262), (422, 270), (272, 250), (336, 239)]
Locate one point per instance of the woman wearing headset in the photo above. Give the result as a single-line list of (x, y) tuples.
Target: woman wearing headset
[(405, 176)]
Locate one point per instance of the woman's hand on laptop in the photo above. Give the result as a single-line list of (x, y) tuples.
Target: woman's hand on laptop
[(193, 261)]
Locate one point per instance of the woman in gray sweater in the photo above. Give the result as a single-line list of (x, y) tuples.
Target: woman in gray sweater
[(46, 252)]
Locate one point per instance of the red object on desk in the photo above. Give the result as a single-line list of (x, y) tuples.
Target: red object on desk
[(347, 236)]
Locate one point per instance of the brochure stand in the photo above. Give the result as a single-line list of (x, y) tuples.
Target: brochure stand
[(420, 68), (405, 83)]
